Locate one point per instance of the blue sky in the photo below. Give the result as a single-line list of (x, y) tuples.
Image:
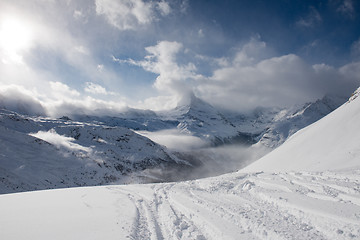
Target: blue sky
[(104, 55)]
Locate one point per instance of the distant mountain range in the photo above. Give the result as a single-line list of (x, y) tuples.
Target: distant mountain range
[(82, 150), (268, 126)]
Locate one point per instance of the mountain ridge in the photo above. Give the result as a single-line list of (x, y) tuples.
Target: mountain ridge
[(328, 144)]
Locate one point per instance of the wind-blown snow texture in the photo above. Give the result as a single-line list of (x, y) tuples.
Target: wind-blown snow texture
[(298, 204)]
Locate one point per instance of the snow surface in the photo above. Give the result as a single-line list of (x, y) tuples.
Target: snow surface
[(41, 153), (298, 204), (330, 143)]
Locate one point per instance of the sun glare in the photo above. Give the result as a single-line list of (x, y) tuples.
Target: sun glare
[(15, 36)]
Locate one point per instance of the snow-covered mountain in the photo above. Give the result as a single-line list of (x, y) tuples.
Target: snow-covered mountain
[(288, 121), (199, 118), (310, 202), (330, 143), (268, 126), (193, 117), (272, 126), (41, 153)]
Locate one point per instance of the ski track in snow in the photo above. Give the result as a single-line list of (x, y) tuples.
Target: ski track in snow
[(298, 205), (294, 205)]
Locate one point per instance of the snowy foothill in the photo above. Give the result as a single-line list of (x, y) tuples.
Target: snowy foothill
[(307, 188)]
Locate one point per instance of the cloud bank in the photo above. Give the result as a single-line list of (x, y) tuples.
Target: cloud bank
[(55, 56), (249, 79)]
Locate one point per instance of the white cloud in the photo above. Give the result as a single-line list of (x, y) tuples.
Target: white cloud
[(247, 80), (164, 8), (174, 139), (129, 14), (53, 98), (201, 33), (58, 140), (174, 78), (84, 105), (162, 60), (251, 52), (277, 81), (78, 14), (312, 19), (61, 90), (17, 98), (82, 50), (347, 9), (96, 89), (100, 67), (158, 103), (52, 38)]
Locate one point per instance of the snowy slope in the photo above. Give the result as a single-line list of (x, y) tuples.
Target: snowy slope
[(238, 206), (331, 143), (272, 126), (288, 121), (42, 153)]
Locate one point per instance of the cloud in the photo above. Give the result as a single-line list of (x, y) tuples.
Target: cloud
[(85, 105), (65, 66), (56, 63), (52, 45), (61, 90), (251, 52), (162, 59), (96, 89), (18, 99), (129, 14), (164, 8), (312, 19), (276, 81), (184, 6), (58, 140), (78, 14), (174, 139), (355, 49), (270, 82), (158, 103), (350, 73), (347, 9), (55, 99), (249, 79)]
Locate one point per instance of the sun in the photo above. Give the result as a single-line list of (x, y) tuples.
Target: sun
[(15, 37)]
